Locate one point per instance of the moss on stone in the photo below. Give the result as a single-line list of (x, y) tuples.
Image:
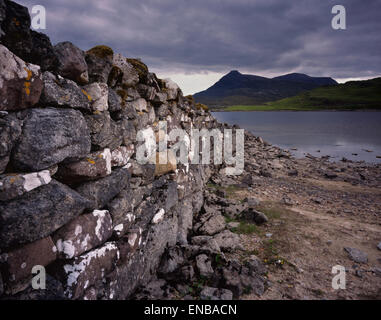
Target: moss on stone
[(102, 52), (114, 75), (200, 106), (139, 66)]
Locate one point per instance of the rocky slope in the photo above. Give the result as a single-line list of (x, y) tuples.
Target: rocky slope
[(74, 200)]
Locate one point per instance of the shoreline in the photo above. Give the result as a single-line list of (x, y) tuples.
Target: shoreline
[(285, 110)]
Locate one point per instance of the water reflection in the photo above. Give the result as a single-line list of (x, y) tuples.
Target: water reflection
[(353, 135)]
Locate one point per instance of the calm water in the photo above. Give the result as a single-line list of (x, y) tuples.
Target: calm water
[(337, 134)]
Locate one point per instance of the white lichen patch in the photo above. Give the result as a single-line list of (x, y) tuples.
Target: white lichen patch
[(101, 217), (76, 269), (35, 180), (106, 155), (159, 216), (66, 248)]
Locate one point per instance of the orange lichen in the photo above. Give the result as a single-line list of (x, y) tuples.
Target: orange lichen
[(87, 95), (91, 161)]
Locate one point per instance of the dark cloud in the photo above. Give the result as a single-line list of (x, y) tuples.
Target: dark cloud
[(257, 36)]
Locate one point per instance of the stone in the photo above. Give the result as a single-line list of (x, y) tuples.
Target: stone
[(130, 75), (82, 272), (357, 255), (206, 243), (209, 293), (10, 130), (130, 243), (15, 185), (104, 132), (16, 35), (99, 61), (60, 92), (170, 165), (228, 241), (83, 234), (38, 213), (42, 52), (97, 94), (71, 62), (94, 166), (253, 202), (114, 101), (140, 105), (172, 89), (213, 224), (51, 136), (122, 208), (122, 155), (20, 82), (256, 266), (255, 216), (233, 211), (100, 192), (204, 266), (185, 221), (379, 246), (20, 262)]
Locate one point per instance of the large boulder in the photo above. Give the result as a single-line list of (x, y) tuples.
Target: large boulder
[(83, 234), (71, 62), (51, 136), (10, 130), (105, 132), (15, 25), (94, 166), (130, 75), (99, 61), (97, 93), (16, 35), (100, 192), (60, 92), (38, 213), (20, 83)]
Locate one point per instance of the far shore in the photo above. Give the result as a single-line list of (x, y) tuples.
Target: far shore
[(296, 110)]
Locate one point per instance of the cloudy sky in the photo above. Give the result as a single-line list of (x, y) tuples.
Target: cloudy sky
[(196, 42)]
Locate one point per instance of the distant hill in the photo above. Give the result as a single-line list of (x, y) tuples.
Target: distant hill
[(237, 88), (352, 95)]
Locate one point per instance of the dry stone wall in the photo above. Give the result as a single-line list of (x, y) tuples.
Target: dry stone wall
[(72, 196)]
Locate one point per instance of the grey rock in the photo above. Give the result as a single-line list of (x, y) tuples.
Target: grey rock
[(356, 255), (209, 293), (97, 94), (228, 241), (100, 192), (114, 101), (20, 82), (105, 133), (255, 216), (379, 246), (60, 92), (10, 130), (83, 234), (253, 202), (15, 185), (256, 266), (204, 266), (185, 222), (212, 224), (130, 75), (71, 62), (38, 213), (206, 243), (51, 136), (99, 61)]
